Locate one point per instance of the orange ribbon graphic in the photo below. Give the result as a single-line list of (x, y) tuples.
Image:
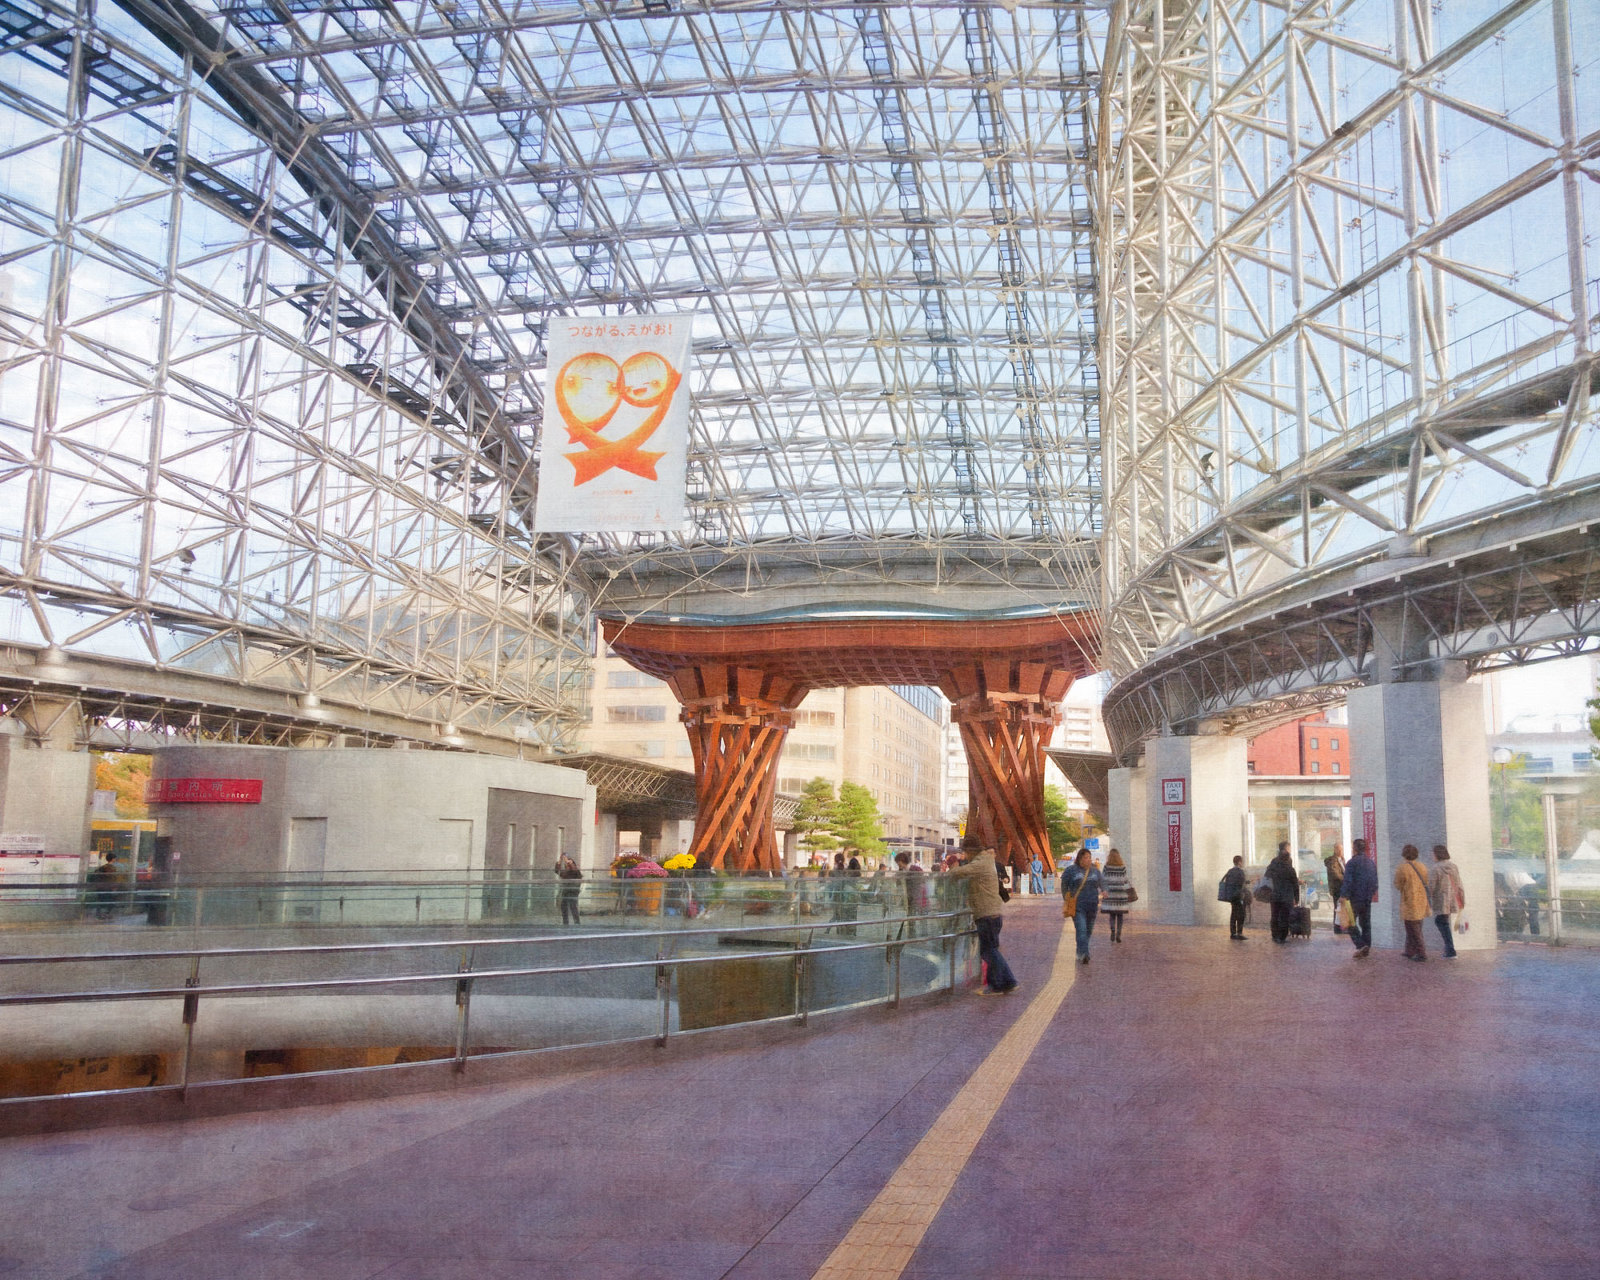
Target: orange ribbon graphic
[(591, 388)]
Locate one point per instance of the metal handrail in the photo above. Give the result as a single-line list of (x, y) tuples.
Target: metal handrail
[(453, 944), (952, 925), (419, 979), (434, 944)]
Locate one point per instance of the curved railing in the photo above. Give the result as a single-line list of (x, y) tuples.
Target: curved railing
[(395, 898), (170, 1020)]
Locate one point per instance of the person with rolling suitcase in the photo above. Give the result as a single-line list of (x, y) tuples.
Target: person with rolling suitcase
[(1285, 882)]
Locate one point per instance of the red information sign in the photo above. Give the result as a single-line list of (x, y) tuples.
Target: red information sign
[(1175, 851), (204, 791), (1369, 827)]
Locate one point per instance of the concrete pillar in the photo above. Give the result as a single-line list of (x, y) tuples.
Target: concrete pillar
[(1196, 799), (605, 840), (791, 849), (1125, 826), (1419, 769), (46, 791), (674, 837)]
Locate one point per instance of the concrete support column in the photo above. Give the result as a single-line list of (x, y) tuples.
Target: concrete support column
[(1196, 800), (791, 849), (605, 840), (1419, 769), (1125, 825), (650, 829), (46, 777), (674, 837)]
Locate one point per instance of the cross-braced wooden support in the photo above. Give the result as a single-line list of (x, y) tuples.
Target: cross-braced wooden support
[(739, 685), (1006, 712), (737, 720)]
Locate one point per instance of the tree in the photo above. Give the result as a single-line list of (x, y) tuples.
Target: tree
[(1060, 825), (127, 776), (814, 817), (857, 824), (1516, 809)]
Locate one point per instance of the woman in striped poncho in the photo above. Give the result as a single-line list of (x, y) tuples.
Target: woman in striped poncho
[(1116, 893)]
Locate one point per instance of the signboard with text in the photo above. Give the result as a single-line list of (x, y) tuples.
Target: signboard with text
[(204, 791), (1369, 826), (616, 424), (1175, 851)]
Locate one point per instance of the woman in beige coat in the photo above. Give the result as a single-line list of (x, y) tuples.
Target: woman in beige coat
[(1412, 882)]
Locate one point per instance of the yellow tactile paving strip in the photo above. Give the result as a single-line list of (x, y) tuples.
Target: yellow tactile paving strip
[(881, 1242)]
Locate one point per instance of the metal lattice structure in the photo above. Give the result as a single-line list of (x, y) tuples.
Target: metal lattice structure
[(276, 275), (1349, 347)]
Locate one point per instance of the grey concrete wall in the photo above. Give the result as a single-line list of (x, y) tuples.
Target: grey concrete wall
[(46, 792), (385, 810)]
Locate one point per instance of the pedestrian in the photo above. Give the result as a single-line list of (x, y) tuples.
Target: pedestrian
[(1235, 891), (1116, 893), (916, 885), (849, 889), (568, 890), (983, 897), (1285, 882), (1036, 875), (102, 884), (1334, 863), (1080, 898), (1445, 896), (1412, 882), (1360, 887)]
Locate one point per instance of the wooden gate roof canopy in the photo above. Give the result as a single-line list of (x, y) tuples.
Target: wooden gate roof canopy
[(832, 653)]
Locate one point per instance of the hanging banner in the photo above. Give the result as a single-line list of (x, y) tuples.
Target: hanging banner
[(1369, 827), (616, 425), (1174, 850)]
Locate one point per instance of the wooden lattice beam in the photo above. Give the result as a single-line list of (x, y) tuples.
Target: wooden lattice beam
[(737, 719), (739, 684)]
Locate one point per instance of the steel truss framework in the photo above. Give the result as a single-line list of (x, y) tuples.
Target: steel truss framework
[(1349, 328), (276, 275)]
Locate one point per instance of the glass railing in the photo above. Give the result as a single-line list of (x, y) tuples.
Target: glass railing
[(397, 899), (151, 1018)]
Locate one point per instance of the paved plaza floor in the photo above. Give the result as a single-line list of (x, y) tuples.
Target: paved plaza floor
[(1182, 1107)]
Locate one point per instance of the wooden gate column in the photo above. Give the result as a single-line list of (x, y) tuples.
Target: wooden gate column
[(1006, 712), (737, 719)]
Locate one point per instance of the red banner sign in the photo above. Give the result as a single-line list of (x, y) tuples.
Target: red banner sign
[(1175, 851), (204, 791), (1369, 827)]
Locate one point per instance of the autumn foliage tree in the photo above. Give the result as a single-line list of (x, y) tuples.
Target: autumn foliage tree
[(126, 776)]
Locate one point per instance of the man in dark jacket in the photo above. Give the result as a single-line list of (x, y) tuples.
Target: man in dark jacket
[(1237, 893), (1285, 881), (1359, 888)]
